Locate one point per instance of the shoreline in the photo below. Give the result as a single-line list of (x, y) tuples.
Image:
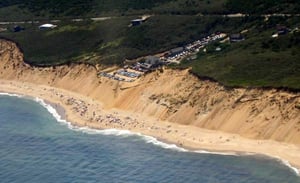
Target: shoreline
[(58, 108), (85, 113)]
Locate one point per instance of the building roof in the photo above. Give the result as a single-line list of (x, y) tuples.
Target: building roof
[(236, 36), (137, 20), (177, 50), (152, 60), (47, 26)]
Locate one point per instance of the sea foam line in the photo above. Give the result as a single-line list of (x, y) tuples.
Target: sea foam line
[(127, 133), (287, 163), (12, 95)]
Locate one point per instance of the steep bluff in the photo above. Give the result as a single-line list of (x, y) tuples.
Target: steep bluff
[(176, 96)]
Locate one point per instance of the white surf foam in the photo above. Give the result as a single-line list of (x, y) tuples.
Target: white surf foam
[(296, 170), (217, 153), (287, 163), (51, 110), (155, 141), (126, 133), (12, 95), (115, 132)]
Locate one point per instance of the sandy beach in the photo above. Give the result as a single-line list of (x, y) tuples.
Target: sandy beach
[(84, 111)]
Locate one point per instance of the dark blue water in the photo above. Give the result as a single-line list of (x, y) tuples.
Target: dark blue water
[(35, 148)]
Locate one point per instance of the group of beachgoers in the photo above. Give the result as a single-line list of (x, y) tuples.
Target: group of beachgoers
[(92, 112)]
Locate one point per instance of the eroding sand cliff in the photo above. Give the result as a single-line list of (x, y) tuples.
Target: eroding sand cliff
[(172, 95)]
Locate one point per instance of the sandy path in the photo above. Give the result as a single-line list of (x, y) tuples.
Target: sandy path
[(84, 111)]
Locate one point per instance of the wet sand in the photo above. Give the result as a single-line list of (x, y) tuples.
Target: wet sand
[(84, 111)]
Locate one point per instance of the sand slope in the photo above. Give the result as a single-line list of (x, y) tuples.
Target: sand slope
[(171, 95)]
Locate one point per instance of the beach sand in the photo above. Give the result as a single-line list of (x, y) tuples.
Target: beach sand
[(83, 111)]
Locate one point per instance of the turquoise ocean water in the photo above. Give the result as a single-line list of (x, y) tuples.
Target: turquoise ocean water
[(36, 148)]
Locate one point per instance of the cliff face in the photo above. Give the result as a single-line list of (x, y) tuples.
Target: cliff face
[(172, 95)]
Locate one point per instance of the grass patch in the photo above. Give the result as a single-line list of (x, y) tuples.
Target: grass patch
[(46, 9), (259, 61)]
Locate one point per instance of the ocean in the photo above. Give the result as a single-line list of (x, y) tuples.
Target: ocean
[(36, 146)]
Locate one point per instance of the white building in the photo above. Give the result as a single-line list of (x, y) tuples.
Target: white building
[(47, 26)]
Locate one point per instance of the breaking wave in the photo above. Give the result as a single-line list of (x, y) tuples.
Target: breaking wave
[(12, 95)]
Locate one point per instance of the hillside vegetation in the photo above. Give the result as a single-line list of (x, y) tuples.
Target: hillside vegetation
[(263, 6), (259, 61), (32, 9)]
